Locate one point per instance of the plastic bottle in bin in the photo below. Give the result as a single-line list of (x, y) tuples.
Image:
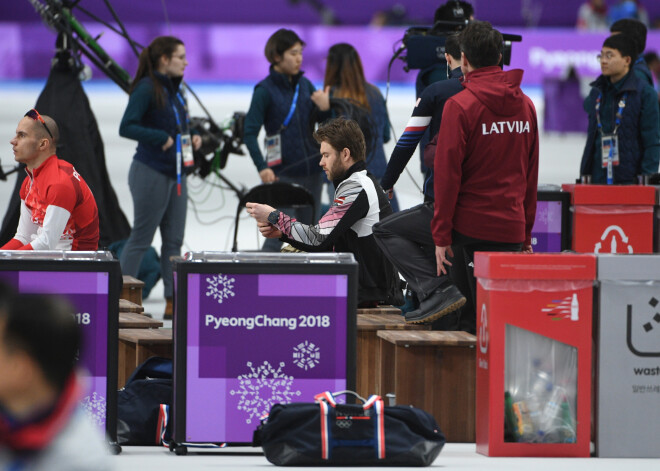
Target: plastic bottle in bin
[(551, 415)]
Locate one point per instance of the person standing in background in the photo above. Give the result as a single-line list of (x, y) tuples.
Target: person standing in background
[(157, 118), (624, 124), (282, 104), (592, 16), (344, 79)]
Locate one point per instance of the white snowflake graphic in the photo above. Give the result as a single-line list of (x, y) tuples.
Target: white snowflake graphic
[(306, 355), (262, 387), (94, 406), (220, 287)]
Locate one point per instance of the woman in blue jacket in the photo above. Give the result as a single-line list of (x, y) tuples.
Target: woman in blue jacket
[(361, 101), (157, 118), (281, 104)]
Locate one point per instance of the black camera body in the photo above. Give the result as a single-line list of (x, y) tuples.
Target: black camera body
[(426, 45)]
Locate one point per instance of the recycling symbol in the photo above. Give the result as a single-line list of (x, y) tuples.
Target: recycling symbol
[(613, 240)]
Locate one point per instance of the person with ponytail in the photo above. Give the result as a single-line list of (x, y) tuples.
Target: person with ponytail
[(157, 118), (360, 100)]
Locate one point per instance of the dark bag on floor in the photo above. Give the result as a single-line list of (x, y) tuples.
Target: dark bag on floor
[(326, 433), (138, 403)]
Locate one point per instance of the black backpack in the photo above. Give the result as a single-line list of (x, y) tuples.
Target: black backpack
[(139, 415)]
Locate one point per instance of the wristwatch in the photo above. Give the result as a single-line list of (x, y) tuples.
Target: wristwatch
[(274, 217)]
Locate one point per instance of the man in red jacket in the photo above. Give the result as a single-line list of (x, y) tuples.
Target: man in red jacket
[(486, 171), (58, 210)]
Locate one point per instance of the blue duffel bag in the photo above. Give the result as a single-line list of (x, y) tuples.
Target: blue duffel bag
[(326, 433)]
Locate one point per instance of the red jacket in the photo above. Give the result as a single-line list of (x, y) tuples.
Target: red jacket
[(486, 161)]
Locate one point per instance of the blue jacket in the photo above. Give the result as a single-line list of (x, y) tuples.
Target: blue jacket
[(151, 125), (638, 134), (270, 105)]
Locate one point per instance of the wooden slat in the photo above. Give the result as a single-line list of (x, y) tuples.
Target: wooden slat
[(428, 338), (380, 310), (127, 306), (133, 320), (386, 321), (132, 289), (146, 336)]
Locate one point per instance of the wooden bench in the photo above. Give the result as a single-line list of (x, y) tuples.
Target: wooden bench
[(136, 345), (434, 371), (367, 378), (132, 289), (133, 320), (379, 310), (127, 306)]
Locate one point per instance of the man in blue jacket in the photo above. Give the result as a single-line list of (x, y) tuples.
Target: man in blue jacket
[(624, 121)]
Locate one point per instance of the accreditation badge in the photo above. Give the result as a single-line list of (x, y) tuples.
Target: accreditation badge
[(187, 150), (610, 147), (273, 150)]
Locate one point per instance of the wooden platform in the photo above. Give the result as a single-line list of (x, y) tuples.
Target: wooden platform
[(133, 320), (367, 378), (380, 310), (136, 345), (434, 371), (131, 289), (128, 306)]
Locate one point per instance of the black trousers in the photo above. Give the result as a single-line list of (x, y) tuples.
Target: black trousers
[(405, 238)]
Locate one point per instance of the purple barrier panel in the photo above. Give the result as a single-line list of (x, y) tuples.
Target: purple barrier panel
[(90, 293), (502, 12), (235, 53)]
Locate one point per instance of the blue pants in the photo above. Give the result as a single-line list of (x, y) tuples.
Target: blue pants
[(155, 205), (314, 184)]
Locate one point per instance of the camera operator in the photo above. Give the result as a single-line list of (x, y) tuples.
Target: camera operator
[(408, 231), (456, 12)]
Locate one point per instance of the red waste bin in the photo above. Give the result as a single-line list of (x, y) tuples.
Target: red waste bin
[(534, 325), (612, 218)]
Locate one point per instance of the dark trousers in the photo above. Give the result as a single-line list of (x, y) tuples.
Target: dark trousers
[(463, 273), (405, 238)]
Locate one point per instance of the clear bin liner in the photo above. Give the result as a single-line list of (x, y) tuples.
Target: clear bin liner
[(540, 381), (612, 209), (527, 286)]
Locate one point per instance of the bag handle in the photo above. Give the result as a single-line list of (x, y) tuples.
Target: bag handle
[(329, 397)]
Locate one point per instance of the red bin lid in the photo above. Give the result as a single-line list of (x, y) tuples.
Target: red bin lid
[(542, 266), (611, 194)]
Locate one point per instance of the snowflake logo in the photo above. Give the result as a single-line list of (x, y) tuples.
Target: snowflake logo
[(306, 355), (220, 287), (261, 388), (94, 406)]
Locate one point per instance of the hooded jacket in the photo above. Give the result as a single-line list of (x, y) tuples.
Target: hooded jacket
[(486, 169)]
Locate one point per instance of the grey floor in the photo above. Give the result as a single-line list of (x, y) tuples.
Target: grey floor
[(210, 227), (454, 456)]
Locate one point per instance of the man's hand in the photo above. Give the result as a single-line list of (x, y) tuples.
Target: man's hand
[(269, 231), (527, 249), (259, 211), (441, 254), (196, 141), (267, 175)]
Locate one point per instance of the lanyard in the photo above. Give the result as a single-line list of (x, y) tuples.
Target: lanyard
[(179, 153), (293, 107), (176, 112), (619, 113)]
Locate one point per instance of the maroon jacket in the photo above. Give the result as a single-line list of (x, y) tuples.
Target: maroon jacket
[(486, 162)]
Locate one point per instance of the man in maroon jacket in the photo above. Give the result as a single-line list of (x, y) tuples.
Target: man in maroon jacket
[(486, 171)]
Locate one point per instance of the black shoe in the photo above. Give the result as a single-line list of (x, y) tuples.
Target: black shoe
[(441, 302)]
